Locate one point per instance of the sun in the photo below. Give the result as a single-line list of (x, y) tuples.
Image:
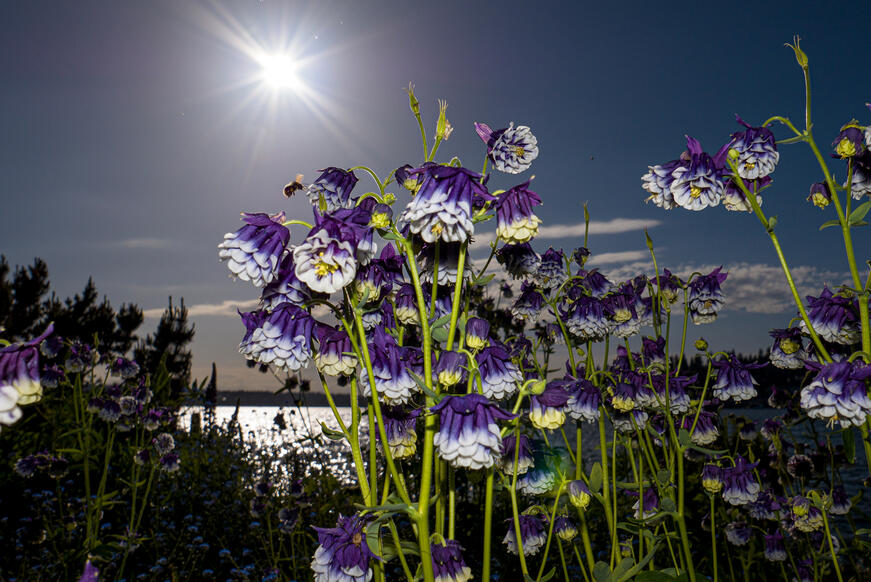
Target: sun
[(279, 71)]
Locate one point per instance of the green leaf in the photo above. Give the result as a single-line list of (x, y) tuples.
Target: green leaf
[(373, 531), (549, 575), (596, 477), (601, 572), (859, 213), (623, 567), (667, 504), (439, 334), (441, 321), (481, 281), (858, 223), (663, 476), (332, 434), (683, 437), (390, 235), (829, 223), (849, 437), (772, 222)]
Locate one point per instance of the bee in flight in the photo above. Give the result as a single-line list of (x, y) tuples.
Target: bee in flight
[(291, 188)]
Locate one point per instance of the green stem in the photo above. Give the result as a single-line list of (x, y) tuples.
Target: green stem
[(488, 523), (713, 538), (550, 531), (458, 289), (832, 547)]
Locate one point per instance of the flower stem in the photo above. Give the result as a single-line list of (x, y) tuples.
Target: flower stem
[(488, 523)]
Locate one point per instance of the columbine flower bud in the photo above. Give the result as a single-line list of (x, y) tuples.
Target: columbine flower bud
[(701, 344), (442, 122), (712, 478), (820, 194), (381, 216), (477, 333), (579, 494), (412, 100), (850, 142), (449, 368)]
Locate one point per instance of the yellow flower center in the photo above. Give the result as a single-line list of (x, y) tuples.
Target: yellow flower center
[(323, 268), (846, 148), (357, 539), (437, 228), (695, 191), (749, 165), (519, 151), (789, 346)]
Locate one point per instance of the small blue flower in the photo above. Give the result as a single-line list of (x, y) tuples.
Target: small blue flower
[(820, 194), (532, 534), (512, 150), (565, 528), (399, 426), (850, 142), (477, 333), (712, 478), (706, 299), (254, 251), (733, 379)]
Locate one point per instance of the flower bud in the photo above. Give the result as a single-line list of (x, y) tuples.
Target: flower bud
[(442, 123), (701, 344), (412, 100)]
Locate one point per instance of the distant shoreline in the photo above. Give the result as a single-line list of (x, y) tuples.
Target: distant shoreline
[(283, 400)]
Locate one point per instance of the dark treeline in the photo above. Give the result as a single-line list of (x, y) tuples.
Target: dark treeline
[(28, 306)]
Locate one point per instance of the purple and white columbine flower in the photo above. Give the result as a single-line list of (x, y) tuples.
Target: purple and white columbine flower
[(468, 435), (442, 207), (647, 506), (343, 554), (734, 198), (579, 494), (281, 339), (738, 533), (657, 181), (584, 399), (712, 478), (547, 410), (512, 149), (405, 307), (787, 352), (449, 368), (775, 550), (565, 528), (336, 355), (739, 485), (706, 299), (524, 454), (20, 377), (529, 304), (399, 426), (833, 317), (756, 149), (840, 501), (520, 260), (588, 318), (532, 534), (326, 260), (838, 393), (334, 185), (849, 143), (253, 252), (861, 184), (477, 333), (447, 562), (285, 287), (449, 263), (698, 184), (391, 367), (551, 272), (820, 195), (499, 376), (515, 221), (734, 380)]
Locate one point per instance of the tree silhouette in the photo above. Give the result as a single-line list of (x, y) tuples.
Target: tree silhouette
[(169, 343)]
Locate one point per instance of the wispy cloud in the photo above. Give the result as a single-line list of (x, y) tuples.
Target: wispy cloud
[(224, 308), (616, 257), (750, 287), (556, 231), (146, 243)]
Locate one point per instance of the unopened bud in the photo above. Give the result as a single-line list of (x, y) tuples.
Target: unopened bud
[(701, 344), (442, 123), (412, 100)]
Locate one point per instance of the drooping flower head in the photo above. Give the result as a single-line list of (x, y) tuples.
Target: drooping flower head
[(519, 447), (281, 338), (587, 317), (712, 478), (833, 317), (698, 184), (775, 550), (477, 333), (499, 375), (399, 426), (734, 380), (544, 474), (447, 562), (838, 393), (756, 149), (442, 207), (787, 352), (391, 367), (579, 494), (647, 505), (738, 533), (450, 368), (20, 377), (565, 528), (532, 534), (547, 410), (285, 287), (529, 303), (734, 198), (405, 307), (515, 221), (705, 432), (253, 252), (820, 194), (468, 435), (739, 484), (551, 272), (335, 355), (861, 179), (377, 278), (332, 190), (595, 282), (343, 554), (706, 299), (840, 502), (512, 149), (519, 260), (624, 315), (806, 517), (584, 399), (657, 182), (850, 142)]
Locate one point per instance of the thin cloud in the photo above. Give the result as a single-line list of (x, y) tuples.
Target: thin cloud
[(616, 257), (146, 243), (556, 231), (225, 308)]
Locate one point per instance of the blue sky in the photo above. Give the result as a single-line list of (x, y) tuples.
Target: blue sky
[(135, 133)]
